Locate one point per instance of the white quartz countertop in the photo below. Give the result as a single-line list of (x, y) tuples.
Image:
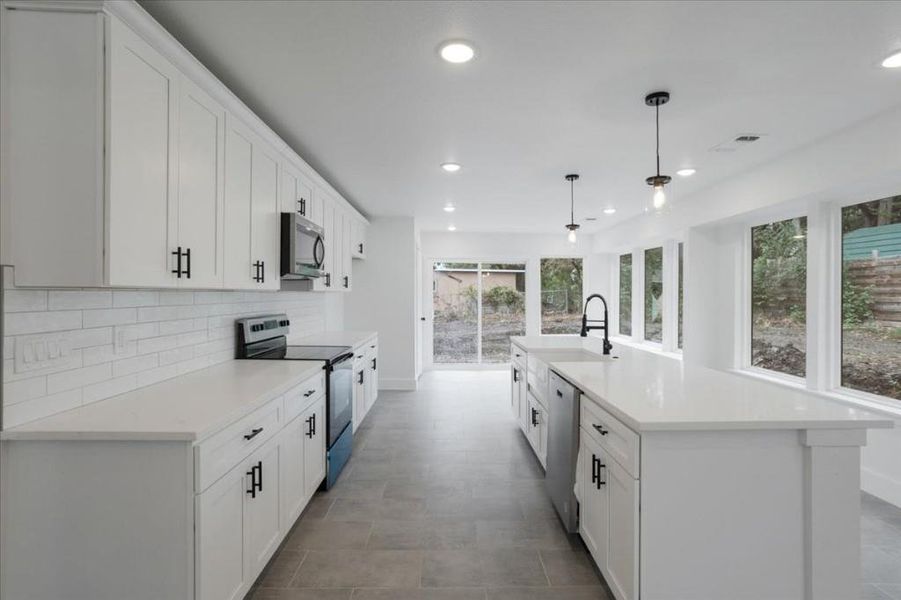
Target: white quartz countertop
[(189, 407), (334, 338), (651, 392)]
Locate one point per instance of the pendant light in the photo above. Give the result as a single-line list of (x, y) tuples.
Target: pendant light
[(573, 226), (658, 99)]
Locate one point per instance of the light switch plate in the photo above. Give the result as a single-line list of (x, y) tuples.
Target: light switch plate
[(45, 351)]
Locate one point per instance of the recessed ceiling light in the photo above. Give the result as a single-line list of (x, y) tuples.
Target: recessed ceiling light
[(892, 61), (450, 167), (609, 211), (452, 228), (457, 52), (685, 172), (449, 207)]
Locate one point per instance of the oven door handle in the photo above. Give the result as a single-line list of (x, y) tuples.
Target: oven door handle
[(341, 359)]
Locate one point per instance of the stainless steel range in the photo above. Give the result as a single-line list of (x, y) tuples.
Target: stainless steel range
[(265, 338)]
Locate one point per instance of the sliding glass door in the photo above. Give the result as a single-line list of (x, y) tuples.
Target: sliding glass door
[(477, 307)]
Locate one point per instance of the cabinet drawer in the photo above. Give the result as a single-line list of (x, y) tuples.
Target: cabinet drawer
[(220, 453), (302, 395), (518, 355), (620, 442)]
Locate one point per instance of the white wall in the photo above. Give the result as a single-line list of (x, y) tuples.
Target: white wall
[(167, 333), (383, 298), (860, 163)]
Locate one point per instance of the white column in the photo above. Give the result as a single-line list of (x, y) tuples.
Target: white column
[(832, 513)]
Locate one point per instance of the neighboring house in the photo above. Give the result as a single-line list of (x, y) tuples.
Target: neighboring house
[(450, 285)]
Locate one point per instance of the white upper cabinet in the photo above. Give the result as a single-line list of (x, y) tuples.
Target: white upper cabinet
[(161, 178), (358, 239), (239, 270), (201, 160), (141, 203), (265, 219)]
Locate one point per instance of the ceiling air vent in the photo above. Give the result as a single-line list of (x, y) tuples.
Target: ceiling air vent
[(742, 139)]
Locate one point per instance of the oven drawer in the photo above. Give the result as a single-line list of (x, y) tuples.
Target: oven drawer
[(215, 456), (300, 397)]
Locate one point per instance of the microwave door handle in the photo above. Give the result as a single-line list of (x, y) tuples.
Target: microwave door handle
[(319, 252)]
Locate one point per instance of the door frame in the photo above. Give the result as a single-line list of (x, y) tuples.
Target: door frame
[(428, 306)]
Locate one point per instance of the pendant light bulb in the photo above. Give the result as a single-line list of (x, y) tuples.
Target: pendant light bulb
[(659, 197), (572, 236)]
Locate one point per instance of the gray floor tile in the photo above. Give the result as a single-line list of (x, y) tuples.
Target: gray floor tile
[(421, 594), (892, 590), (281, 569), (554, 593), (299, 594), (360, 568), (569, 567), (329, 535), (498, 567), (422, 535), (357, 490), (537, 534), (383, 509), (869, 591)]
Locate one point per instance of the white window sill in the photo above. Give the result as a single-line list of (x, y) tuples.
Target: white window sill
[(862, 400), (651, 347)]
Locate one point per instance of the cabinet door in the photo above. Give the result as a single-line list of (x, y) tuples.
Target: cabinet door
[(291, 483), (346, 249), (622, 557), (141, 203), (288, 200), (593, 511), (358, 248), (220, 533), (541, 440), (239, 271), (201, 161), (359, 393), (265, 221), (371, 374), (315, 207), (314, 446), (262, 514)]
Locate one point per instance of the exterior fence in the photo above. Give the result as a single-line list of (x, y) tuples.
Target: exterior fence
[(883, 278)]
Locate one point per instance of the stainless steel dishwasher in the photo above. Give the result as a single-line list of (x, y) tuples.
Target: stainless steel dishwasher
[(563, 449)]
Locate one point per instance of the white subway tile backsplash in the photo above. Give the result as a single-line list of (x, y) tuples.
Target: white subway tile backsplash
[(40, 322), (134, 298), (75, 299), (24, 300), (110, 316), (77, 378), (120, 340)]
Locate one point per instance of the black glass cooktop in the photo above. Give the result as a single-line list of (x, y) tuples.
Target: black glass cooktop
[(327, 353)]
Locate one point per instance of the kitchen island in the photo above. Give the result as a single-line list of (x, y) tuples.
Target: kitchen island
[(702, 484)]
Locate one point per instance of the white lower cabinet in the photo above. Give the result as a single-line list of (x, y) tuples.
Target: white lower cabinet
[(366, 378), (291, 466), (608, 506), (314, 445)]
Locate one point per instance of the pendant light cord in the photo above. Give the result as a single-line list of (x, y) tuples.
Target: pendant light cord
[(657, 110), (572, 217)]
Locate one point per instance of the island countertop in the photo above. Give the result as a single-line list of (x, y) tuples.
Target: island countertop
[(651, 392), (188, 407)]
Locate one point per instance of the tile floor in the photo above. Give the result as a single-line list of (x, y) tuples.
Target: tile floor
[(443, 500)]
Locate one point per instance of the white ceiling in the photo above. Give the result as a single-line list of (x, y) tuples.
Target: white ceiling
[(358, 89)]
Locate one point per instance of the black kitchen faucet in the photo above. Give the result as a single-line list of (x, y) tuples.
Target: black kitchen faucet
[(603, 324)]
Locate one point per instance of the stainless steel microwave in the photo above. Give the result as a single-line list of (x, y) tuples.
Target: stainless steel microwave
[(302, 248)]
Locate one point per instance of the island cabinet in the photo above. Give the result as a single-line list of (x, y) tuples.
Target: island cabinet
[(162, 178), (146, 512)]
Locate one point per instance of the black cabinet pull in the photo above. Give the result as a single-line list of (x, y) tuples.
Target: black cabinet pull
[(303, 207), (258, 271), (534, 418), (253, 433), (188, 257), (361, 248), (177, 270), (259, 469), (309, 393), (374, 364), (600, 481), (595, 472), (310, 427), (253, 481), (360, 377), (328, 280), (314, 423), (559, 394), (346, 281), (515, 375), (262, 271), (600, 429)]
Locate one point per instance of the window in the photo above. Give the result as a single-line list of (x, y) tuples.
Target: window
[(653, 295), (871, 297), (779, 296), (625, 294), (561, 295), (680, 251), (477, 307)]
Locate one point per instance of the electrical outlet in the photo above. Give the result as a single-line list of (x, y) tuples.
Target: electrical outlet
[(45, 351)]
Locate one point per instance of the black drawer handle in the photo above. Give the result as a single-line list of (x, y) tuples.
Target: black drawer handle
[(309, 393), (515, 375), (600, 429), (253, 481), (600, 481), (188, 257), (310, 427), (534, 418), (253, 433), (177, 270), (595, 474), (559, 394)]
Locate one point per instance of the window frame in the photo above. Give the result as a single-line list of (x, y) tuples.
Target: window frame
[(542, 257), (823, 303)]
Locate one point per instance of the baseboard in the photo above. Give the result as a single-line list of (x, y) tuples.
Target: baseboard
[(401, 385), (880, 486)]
